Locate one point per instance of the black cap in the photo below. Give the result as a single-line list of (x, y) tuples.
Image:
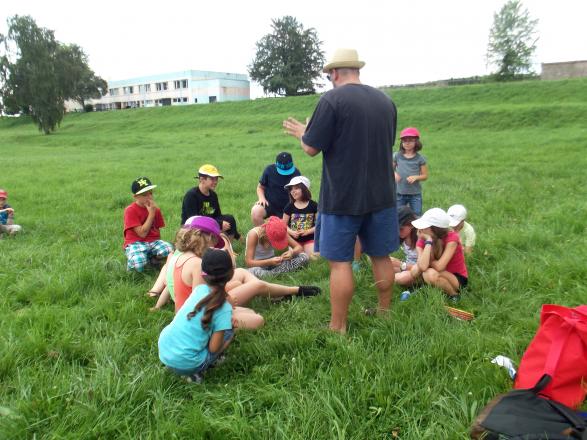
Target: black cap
[(284, 164), (142, 185), (216, 262), (405, 215)]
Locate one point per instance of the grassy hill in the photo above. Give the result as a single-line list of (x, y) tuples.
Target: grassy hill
[(78, 347)]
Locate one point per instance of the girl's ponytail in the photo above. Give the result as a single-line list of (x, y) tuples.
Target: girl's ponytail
[(215, 299)]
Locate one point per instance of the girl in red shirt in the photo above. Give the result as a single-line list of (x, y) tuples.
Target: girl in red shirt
[(441, 261)]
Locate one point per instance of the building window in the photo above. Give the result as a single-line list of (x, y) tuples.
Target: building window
[(144, 88), (128, 90), (184, 100), (195, 100), (113, 92), (180, 84), (212, 99), (161, 86)]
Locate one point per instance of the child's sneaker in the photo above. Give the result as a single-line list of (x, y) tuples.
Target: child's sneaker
[(454, 299), (305, 291), (194, 378)]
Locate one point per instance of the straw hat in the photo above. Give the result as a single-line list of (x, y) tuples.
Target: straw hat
[(344, 58)]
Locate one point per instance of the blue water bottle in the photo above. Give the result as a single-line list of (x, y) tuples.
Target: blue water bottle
[(405, 295)]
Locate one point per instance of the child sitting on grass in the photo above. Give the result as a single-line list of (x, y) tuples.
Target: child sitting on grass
[(181, 273), (263, 241), (7, 225), (458, 214), (441, 261), (408, 237), (142, 221), (203, 327), (300, 213)]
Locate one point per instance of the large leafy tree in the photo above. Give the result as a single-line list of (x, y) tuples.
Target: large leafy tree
[(78, 81), (512, 41), (37, 73), (289, 59)]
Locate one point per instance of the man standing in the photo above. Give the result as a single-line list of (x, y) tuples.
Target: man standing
[(353, 126), (203, 200)]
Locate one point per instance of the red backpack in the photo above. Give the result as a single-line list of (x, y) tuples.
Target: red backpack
[(559, 350)]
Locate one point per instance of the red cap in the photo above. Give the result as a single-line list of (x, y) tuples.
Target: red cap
[(409, 132), (276, 231), (3, 194)]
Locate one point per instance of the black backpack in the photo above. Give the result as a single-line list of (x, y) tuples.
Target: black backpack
[(523, 415)]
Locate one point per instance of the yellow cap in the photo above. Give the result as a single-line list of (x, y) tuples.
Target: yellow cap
[(209, 170)]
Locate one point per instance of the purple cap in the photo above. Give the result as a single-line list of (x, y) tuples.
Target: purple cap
[(205, 224)]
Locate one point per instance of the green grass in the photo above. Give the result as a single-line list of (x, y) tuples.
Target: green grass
[(78, 348)]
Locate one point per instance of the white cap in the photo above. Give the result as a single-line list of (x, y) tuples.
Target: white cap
[(457, 214), (297, 180), (433, 217)]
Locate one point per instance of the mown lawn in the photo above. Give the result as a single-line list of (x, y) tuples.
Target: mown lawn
[(78, 347)]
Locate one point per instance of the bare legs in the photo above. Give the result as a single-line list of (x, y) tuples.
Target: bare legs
[(383, 275), (244, 286), (342, 288), (258, 214)]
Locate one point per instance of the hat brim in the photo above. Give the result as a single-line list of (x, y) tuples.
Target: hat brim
[(209, 175), (343, 64), (453, 222), (286, 172), (421, 223), (145, 189)]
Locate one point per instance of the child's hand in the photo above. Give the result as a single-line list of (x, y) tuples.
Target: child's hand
[(225, 226), (151, 206), (294, 234), (397, 177), (287, 255), (276, 260), (262, 202), (412, 179), (8, 210)]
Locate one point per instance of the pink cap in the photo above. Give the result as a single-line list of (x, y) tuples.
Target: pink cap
[(276, 231), (205, 224), (3, 194), (409, 132)]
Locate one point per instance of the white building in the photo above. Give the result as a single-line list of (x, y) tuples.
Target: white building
[(178, 88)]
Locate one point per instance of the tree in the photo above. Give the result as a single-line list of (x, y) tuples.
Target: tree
[(289, 59), (512, 41), (37, 73), (78, 81), (31, 81)]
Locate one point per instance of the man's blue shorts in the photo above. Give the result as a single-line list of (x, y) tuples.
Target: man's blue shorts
[(335, 235)]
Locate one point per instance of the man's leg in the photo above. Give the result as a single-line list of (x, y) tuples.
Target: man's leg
[(379, 236), (383, 275), (337, 236), (342, 287)]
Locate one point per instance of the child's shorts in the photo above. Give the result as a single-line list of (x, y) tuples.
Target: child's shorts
[(139, 253), (210, 360), (463, 281)]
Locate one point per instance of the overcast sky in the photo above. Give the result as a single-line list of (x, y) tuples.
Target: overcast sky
[(402, 41)]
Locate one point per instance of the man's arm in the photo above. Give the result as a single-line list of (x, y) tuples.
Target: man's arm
[(296, 129)]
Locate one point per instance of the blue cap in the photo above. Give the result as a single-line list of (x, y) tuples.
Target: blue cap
[(284, 164)]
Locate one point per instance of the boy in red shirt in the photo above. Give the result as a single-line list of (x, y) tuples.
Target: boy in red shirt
[(142, 221)]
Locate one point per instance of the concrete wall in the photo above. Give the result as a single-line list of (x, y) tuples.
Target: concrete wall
[(567, 69)]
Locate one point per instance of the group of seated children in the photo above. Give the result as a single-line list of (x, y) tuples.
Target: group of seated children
[(434, 246), (209, 292), (7, 225)]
